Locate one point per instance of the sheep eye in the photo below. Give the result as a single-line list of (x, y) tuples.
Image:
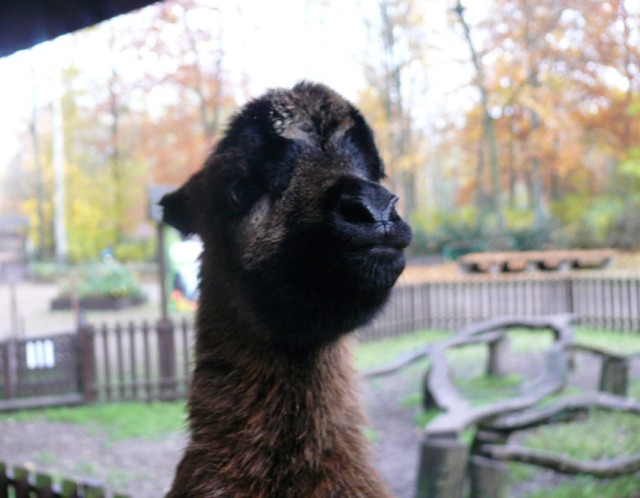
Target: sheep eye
[(241, 195)]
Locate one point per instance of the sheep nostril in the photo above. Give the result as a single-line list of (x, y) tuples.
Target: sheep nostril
[(355, 211), (393, 215)]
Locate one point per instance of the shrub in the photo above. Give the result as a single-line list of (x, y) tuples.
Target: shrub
[(107, 279), (624, 231), (130, 251)]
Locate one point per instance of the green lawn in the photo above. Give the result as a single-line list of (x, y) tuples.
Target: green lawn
[(125, 420), (603, 434)]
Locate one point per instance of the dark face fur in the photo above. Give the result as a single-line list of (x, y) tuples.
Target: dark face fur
[(290, 202)]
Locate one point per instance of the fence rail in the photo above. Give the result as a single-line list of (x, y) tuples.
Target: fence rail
[(20, 483), (611, 303), (139, 361), (144, 361)]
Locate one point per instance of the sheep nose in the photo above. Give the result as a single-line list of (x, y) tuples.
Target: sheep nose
[(373, 204)]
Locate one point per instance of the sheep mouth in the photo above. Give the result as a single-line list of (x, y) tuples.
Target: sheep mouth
[(384, 252), (379, 250), (380, 239), (375, 268)]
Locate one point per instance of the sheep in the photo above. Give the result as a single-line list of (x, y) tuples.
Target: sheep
[(302, 244)]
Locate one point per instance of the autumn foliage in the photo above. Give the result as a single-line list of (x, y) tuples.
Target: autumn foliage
[(508, 120)]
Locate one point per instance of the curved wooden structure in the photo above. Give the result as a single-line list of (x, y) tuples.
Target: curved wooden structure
[(440, 391), (446, 462)]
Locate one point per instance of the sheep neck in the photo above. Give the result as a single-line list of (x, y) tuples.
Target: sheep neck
[(265, 423)]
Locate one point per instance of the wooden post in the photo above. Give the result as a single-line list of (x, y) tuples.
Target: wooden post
[(122, 392), (69, 489), (44, 484), (498, 356), (21, 482), (147, 360), (569, 296), (488, 478), (93, 490), (87, 364), (4, 481), (614, 375), (162, 268), (10, 351), (442, 468), (14, 320), (167, 360)]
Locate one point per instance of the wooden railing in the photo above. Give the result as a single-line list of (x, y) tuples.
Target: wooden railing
[(153, 361), (19, 482), (138, 361), (611, 303)]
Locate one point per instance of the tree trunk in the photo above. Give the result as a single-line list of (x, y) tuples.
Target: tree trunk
[(41, 250), (489, 132), (59, 223), (116, 167)]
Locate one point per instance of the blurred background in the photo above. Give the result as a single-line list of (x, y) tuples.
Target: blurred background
[(500, 118), (505, 125)]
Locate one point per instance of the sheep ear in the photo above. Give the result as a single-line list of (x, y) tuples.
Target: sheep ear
[(176, 210)]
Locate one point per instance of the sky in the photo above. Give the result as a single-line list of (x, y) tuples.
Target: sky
[(272, 44), (261, 41)]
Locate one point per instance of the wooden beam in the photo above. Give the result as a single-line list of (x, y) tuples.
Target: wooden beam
[(614, 467)]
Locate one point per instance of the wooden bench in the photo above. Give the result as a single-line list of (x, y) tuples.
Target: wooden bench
[(528, 261)]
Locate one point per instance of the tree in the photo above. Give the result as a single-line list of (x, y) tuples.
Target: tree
[(58, 160), (394, 71), (40, 221), (488, 142), (188, 80), (558, 77)]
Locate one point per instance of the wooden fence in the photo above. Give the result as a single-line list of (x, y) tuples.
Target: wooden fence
[(153, 361), (611, 303), (144, 361), (20, 483), (138, 361)]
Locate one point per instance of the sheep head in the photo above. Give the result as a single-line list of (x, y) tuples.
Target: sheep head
[(290, 202)]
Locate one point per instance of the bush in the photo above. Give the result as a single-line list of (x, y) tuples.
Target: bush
[(624, 231), (130, 251), (107, 279)]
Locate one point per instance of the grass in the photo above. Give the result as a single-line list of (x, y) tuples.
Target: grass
[(616, 342), (381, 352), (588, 487), (603, 434), (482, 390), (152, 421)]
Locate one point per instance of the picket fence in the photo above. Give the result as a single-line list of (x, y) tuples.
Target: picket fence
[(152, 361), (610, 303), (19, 482), (141, 361)]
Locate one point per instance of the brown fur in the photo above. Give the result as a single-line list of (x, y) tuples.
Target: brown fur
[(274, 410)]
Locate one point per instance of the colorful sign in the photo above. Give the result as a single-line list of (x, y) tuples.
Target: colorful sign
[(183, 269)]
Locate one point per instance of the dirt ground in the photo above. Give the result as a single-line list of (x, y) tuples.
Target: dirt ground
[(144, 469), (35, 319)]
